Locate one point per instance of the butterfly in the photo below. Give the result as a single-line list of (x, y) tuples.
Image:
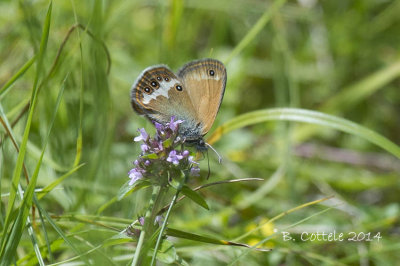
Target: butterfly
[(193, 95)]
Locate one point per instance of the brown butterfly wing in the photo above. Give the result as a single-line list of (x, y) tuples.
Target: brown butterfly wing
[(159, 94), (205, 81)]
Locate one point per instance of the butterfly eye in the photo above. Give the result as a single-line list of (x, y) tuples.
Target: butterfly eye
[(154, 83), (159, 78), (147, 90), (179, 87), (211, 72)]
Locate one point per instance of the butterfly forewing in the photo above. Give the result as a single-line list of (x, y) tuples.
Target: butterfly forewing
[(205, 81), (159, 94)]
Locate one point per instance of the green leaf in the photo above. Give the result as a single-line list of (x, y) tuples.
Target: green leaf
[(167, 143), (205, 239), (188, 192), (174, 183), (150, 156), (126, 188), (167, 252)]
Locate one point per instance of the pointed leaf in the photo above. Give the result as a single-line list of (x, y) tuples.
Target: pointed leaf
[(126, 188), (150, 156), (188, 192), (205, 239), (167, 252)]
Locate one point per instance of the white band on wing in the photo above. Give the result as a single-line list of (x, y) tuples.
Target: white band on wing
[(165, 86)]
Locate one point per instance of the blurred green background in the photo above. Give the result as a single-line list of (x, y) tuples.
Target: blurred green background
[(338, 57)]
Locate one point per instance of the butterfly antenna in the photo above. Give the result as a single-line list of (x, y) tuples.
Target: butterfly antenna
[(211, 147), (208, 163)]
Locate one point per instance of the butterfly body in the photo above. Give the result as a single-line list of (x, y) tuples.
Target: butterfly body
[(193, 95)]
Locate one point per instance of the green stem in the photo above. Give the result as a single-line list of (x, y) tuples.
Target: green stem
[(147, 224), (153, 260), (158, 203)]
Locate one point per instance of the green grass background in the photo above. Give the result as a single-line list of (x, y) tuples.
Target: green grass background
[(75, 61)]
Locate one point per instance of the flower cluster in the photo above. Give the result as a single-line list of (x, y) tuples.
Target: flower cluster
[(162, 155)]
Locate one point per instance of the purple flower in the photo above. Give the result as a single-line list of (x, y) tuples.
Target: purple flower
[(195, 171), (162, 153), (159, 127), (144, 147), (190, 159), (159, 219), (141, 220), (158, 146), (174, 157), (143, 135), (173, 125), (135, 174)]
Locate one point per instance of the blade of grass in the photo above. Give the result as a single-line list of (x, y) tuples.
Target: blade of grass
[(21, 154), (60, 232), (58, 181), (31, 233), (277, 217), (352, 95), (255, 30), (355, 257), (19, 225), (79, 140), (30, 229), (211, 240), (46, 237), (269, 237), (204, 239), (20, 73), (53, 69), (18, 108), (174, 18), (264, 189), (122, 195), (165, 208), (6, 125), (362, 89), (34, 152), (305, 116)]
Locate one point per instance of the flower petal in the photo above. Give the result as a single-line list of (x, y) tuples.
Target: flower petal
[(195, 171), (173, 125), (143, 135), (135, 174)]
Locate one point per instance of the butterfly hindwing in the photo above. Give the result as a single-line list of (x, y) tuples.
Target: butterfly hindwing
[(205, 80)]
